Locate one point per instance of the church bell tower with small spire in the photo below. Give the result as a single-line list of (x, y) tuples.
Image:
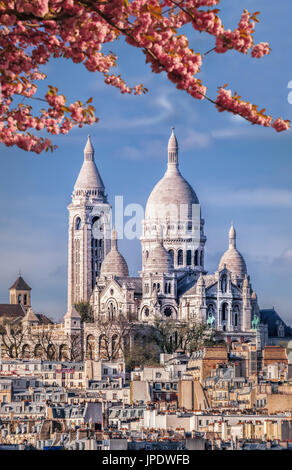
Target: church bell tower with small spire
[(89, 230)]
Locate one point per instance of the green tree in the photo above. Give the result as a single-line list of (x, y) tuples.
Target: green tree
[(144, 351), (187, 337), (85, 311)]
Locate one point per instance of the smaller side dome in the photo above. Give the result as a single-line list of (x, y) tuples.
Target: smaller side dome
[(114, 264), (159, 260), (232, 259)]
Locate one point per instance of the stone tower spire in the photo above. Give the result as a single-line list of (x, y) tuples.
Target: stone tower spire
[(89, 182), (172, 150), (89, 235), (114, 239), (89, 150), (232, 237)]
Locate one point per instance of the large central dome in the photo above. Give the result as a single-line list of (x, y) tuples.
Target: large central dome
[(172, 194)]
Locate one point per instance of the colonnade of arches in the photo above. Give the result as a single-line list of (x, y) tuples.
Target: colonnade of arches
[(227, 314), (187, 257), (106, 347)]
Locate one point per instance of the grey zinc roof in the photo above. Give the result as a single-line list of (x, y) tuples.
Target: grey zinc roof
[(271, 318)]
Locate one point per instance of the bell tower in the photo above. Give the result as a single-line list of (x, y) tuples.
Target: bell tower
[(20, 293), (89, 230)]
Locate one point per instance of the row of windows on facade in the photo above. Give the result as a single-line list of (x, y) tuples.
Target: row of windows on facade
[(197, 259), (156, 287), (104, 346), (94, 222), (37, 351), (189, 226), (89, 192), (224, 313), (167, 312), (167, 286), (22, 299)]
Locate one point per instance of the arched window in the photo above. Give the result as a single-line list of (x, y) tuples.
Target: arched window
[(146, 312), (97, 227), (224, 283), (102, 347), (90, 347), (201, 258), (171, 252), (236, 315), (111, 310), (196, 258), (26, 351), (180, 257), (38, 350), (78, 223), (167, 288), (158, 287), (25, 299), (224, 312), (281, 330), (19, 298), (146, 254), (189, 257), (51, 351), (211, 309), (64, 353)]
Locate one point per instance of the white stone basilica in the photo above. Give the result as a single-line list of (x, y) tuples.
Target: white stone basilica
[(173, 282)]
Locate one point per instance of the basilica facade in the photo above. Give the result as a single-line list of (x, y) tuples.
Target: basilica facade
[(173, 282)]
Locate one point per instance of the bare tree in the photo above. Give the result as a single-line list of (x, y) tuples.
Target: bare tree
[(12, 335), (75, 347), (43, 337), (115, 336)]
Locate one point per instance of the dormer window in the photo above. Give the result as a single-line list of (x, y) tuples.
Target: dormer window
[(224, 283), (281, 330)]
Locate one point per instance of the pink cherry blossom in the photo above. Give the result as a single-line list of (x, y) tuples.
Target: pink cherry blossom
[(34, 32)]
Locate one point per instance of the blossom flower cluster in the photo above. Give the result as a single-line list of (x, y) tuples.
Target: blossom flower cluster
[(33, 32)]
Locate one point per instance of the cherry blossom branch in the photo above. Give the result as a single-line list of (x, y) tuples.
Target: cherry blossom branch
[(31, 33)]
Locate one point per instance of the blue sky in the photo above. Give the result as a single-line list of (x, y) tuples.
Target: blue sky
[(240, 172)]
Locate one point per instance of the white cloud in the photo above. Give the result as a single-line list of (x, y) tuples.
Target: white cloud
[(195, 139), (148, 149), (284, 261), (257, 197)]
